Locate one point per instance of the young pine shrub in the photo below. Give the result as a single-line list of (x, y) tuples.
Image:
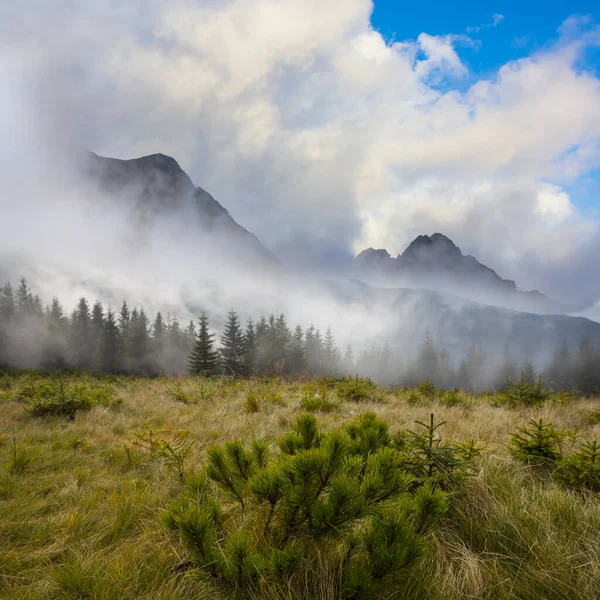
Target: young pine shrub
[(336, 507), (581, 469), (357, 389), (452, 398), (55, 398), (592, 417), (414, 398), (174, 454), (20, 458), (252, 402), (433, 462), (539, 445), (179, 395), (525, 393), (426, 389), (317, 398), (469, 450)]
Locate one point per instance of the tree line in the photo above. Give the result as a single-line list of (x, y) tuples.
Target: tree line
[(94, 338)]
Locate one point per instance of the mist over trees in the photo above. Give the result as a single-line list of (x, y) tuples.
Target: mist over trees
[(95, 338)]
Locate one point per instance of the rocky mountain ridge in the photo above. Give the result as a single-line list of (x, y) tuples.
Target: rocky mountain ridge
[(436, 262), (156, 185)]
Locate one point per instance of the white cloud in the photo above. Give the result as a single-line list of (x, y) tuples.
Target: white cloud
[(497, 18), (319, 136)]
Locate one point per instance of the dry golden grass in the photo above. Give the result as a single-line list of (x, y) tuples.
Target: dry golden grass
[(82, 519)]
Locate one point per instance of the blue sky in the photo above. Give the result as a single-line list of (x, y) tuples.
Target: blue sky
[(525, 27), (503, 31)]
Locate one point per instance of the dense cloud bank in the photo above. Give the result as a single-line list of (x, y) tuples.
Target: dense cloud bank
[(320, 137)]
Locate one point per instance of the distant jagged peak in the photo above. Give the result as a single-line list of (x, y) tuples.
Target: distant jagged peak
[(371, 255), (436, 262), (436, 247), (159, 161), (151, 163), (156, 185)]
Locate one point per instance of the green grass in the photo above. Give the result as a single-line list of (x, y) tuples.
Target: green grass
[(82, 506)]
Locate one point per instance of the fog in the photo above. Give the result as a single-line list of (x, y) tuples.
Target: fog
[(318, 136)]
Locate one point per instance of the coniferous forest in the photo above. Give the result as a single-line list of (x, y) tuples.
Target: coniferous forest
[(96, 338)]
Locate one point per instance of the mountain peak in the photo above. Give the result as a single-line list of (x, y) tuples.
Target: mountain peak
[(436, 248), (159, 161), (156, 185), (372, 256), (436, 262)]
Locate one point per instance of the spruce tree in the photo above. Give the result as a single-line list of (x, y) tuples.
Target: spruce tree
[(282, 339), (55, 354), (261, 345), (475, 367), (528, 373), (178, 348), (23, 298), (330, 352), (587, 369), (444, 369), (427, 362), (249, 356), (384, 368), (232, 346), (349, 362), (139, 343), (7, 303), (97, 327), (159, 342), (124, 324), (81, 342), (109, 354), (298, 351), (508, 370), (204, 359), (559, 372), (7, 311)]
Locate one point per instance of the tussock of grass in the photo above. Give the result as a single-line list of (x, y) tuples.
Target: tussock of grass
[(82, 518)]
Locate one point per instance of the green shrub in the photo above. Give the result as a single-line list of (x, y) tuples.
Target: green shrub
[(20, 458), (540, 444), (525, 393), (55, 398), (414, 398), (452, 398), (274, 398), (317, 398), (179, 395), (357, 389), (592, 417), (254, 522), (252, 403), (174, 454), (469, 450), (433, 462), (426, 389), (581, 468)]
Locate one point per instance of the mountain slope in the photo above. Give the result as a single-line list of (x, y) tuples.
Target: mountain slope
[(435, 262), (155, 185), (456, 322)]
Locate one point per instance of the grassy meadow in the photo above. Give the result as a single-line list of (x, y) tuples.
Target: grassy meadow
[(84, 490)]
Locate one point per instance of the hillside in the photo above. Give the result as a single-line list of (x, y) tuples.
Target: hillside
[(83, 500), (156, 186), (456, 322)]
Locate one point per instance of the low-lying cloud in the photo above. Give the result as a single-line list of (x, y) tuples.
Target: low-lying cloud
[(316, 134)]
